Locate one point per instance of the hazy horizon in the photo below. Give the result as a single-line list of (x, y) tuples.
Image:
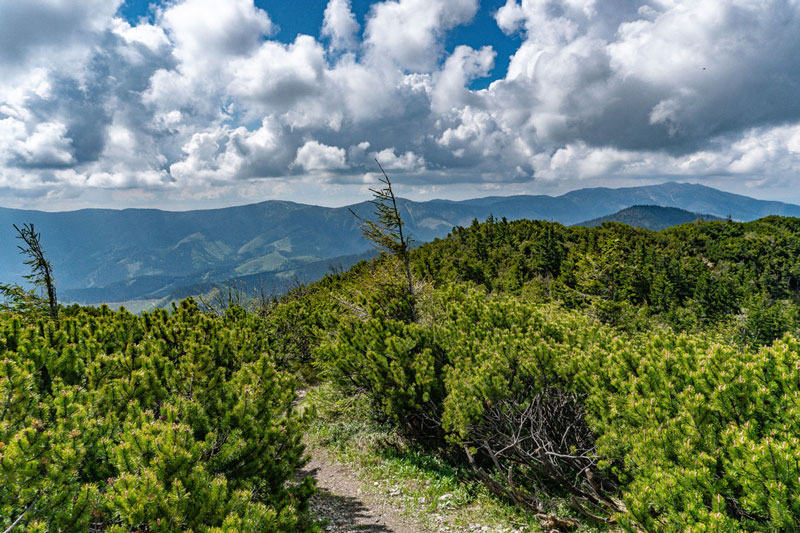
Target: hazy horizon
[(368, 198)]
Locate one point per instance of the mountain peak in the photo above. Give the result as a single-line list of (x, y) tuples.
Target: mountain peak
[(653, 217)]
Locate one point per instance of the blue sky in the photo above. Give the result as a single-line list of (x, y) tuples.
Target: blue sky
[(202, 103), (306, 16)]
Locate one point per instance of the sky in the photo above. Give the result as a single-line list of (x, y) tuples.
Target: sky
[(183, 104)]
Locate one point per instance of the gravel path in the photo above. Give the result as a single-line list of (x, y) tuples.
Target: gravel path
[(349, 505)]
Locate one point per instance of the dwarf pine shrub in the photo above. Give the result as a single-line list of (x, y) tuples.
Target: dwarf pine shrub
[(658, 431), (163, 422), (707, 436)]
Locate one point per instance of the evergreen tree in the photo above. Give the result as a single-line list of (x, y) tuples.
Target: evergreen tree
[(386, 231), (41, 270)]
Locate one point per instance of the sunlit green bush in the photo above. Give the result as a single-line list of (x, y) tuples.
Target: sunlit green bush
[(660, 431), (165, 422), (708, 436)]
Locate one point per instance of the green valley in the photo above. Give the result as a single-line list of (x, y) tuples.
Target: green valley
[(107, 255)]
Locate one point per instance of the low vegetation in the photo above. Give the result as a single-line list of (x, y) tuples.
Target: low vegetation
[(595, 378), (169, 421)]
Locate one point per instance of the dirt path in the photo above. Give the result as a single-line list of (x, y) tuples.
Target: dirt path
[(348, 504)]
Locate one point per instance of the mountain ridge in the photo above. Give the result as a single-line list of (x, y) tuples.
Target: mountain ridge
[(99, 247), (481, 200)]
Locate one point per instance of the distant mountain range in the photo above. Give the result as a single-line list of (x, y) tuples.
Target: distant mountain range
[(651, 217), (145, 254)]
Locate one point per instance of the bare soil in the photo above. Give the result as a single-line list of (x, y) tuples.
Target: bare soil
[(350, 505)]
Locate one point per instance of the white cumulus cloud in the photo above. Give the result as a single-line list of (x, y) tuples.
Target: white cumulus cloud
[(315, 156), (340, 25), (201, 100), (409, 32)]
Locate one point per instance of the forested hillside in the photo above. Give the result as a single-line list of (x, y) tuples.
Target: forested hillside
[(652, 217), (600, 378), (691, 276), (107, 255)]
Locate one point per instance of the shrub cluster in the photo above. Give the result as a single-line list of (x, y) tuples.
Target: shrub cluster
[(661, 431), (706, 434), (162, 422), (692, 276)]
